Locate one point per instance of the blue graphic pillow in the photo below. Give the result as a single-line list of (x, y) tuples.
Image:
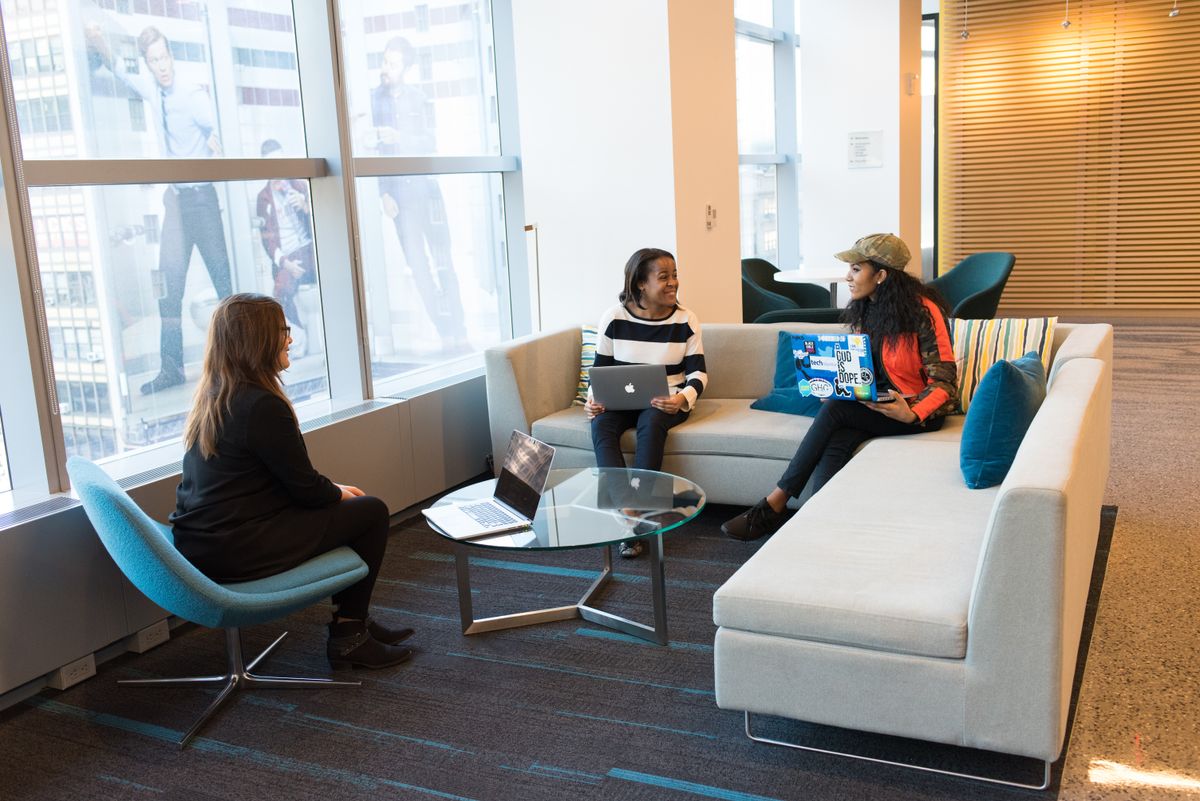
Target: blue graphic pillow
[(1005, 402), (786, 397)]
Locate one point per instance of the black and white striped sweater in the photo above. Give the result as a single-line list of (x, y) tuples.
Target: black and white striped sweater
[(673, 341)]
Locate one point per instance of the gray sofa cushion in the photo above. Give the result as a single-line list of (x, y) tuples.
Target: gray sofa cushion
[(726, 426), (883, 557)]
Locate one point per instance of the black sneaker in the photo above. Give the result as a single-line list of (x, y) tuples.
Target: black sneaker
[(756, 522), (164, 380), (351, 645), (386, 634)]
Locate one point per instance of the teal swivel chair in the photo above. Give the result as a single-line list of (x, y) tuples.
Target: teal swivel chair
[(757, 301), (762, 273), (820, 314), (973, 288), (145, 552)]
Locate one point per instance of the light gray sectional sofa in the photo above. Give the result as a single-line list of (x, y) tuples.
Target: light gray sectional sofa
[(736, 454), (896, 600)]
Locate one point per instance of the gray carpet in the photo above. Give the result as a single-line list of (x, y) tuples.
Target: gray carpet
[(562, 710)]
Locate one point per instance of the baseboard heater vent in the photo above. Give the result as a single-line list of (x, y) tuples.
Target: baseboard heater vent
[(150, 476), (353, 411), (26, 513)]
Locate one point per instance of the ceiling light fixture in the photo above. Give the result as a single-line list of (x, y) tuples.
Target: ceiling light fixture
[(965, 34), (1174, 12), (1066, 23)]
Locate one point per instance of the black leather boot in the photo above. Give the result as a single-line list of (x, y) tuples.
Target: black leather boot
[(351, 645), (387, 634)]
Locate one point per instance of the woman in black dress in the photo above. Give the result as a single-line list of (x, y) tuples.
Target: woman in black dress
[(251, 504)]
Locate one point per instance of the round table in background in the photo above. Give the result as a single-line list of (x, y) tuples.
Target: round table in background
[(813, 275)]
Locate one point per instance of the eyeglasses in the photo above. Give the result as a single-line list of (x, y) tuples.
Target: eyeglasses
[(287, 329)]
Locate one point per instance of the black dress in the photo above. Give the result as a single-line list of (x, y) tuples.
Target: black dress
[(257, 507)]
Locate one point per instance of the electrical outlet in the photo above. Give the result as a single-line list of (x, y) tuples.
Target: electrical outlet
[(710, 217), (73, 673), (147, 638)]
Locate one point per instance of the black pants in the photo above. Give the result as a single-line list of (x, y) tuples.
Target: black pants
[(361, 524), (287, 285), (652, 427), (296, 535), (191, 219), (839, 428), (422, 222)]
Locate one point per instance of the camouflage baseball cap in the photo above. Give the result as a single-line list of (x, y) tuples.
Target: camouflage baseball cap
[(886, 249)]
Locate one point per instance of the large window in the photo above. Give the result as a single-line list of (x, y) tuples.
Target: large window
[(171, 158), (99, 82), (929, 37), (130, 277), (130, 273), (421, 86), (767, 117)]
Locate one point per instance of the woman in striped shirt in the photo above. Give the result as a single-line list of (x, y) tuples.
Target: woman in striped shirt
[(648, 326)]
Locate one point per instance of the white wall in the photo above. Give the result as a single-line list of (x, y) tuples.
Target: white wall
[(594, 101), (851, 80)]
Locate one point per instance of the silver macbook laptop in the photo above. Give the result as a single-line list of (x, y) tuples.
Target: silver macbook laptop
[(628, 386), (514, 501)]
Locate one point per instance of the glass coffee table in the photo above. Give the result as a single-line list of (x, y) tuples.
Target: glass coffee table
[(586, 508)]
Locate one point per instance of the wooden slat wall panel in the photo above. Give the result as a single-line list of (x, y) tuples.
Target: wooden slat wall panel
[(1076, 149)]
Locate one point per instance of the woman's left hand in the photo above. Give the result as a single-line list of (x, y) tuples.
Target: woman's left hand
[(898, 409), (349, 492), (669, 404)]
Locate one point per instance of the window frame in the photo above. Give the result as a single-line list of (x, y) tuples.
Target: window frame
[(30, 404), (782, 35)]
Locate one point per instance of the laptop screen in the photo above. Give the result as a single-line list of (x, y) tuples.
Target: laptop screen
[(524, 473)]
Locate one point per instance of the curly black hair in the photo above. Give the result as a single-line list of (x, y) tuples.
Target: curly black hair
[(894, 308)]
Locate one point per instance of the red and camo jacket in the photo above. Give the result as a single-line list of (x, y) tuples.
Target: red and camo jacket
[(921, 366)]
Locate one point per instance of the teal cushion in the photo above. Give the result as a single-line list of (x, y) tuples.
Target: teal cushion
[(1005, 401), (786, 397)]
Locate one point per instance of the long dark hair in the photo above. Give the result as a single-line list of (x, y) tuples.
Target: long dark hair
[(637, 270), (246, 335), (894, 308)]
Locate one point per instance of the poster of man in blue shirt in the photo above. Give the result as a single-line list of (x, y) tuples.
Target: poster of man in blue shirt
[(185, 120), (414, 203)]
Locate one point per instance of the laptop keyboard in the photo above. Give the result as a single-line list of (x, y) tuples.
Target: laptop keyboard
[(488, 514)]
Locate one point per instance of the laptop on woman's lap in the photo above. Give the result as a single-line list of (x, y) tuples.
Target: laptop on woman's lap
[(621, 387)]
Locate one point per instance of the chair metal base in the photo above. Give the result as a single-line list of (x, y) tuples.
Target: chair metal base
[(581, 609), (990, 780), (237, 676)]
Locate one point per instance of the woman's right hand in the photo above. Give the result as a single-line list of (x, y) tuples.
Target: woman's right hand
[(592, 408), (349, 492)]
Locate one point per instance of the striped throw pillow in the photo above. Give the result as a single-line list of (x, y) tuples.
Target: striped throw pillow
[(587, 355), (978, 344)]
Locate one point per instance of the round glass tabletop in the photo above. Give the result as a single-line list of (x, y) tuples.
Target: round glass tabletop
[(589, 506)]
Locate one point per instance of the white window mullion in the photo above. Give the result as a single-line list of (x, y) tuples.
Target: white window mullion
[(787, 175)]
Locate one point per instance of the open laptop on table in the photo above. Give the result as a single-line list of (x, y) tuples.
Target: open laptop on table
[(628, 386), (838, 366), (514, 501)]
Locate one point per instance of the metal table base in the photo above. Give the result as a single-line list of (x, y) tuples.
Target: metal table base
[(581, 609)]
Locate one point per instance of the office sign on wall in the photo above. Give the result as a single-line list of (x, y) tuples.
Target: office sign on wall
[(864, 149)]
